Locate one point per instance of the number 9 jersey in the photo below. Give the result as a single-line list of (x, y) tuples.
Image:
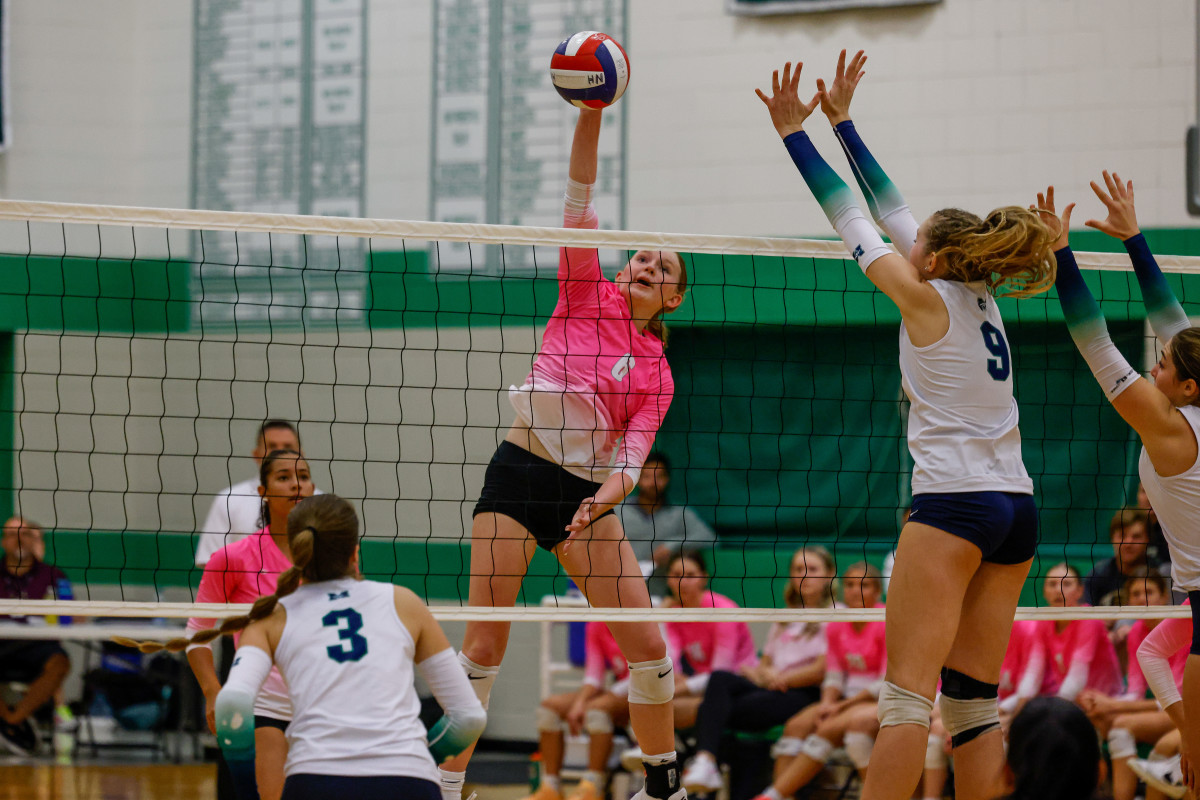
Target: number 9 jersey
[(348, 662), (962, 425)]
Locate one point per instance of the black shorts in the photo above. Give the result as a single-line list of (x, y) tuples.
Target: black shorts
[(372, 787), (23, 660), (537, 493), (1003, 525), (270, 722)]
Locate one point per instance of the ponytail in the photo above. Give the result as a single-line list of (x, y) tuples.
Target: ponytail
[(1011, 250)]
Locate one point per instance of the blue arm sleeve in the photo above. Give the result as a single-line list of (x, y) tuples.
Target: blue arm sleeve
[(1088, 328), (1166, 315), (884, 200)]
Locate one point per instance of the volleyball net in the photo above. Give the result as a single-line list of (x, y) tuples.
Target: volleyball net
[(141, 349)]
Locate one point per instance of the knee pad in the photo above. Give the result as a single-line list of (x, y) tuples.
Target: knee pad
[(652, 683), (817, 748), (901, 707), (935, 753), (969, 707), (481, 678), (859, 746), (787, 747), (548, 720), (597, 720), (1121, 743)]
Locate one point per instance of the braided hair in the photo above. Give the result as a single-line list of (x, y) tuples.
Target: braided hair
[(323, 536)]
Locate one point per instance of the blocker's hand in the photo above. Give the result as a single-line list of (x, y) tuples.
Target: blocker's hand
[(1045, 208), (787, 110), (1122, 219), (835, 101)]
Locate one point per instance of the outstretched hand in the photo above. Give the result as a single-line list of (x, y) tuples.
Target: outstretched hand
[(835, 101), (1122, 220), (787, 110), (1045, 208)]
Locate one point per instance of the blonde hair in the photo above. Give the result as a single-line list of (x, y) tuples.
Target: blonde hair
[(791, 593), (322, 534), (1010, 250), (656, 325)]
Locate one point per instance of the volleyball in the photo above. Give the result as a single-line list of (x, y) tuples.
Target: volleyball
[(590, 70)]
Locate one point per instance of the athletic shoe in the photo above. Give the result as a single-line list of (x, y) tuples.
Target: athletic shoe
[(545, 792), (702, 776), (631, 760), (680, 794), (586, 790), (20, 739), (1164, 775)]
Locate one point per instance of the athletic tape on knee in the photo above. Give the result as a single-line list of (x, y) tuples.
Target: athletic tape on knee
[(817, 748), (787, 747), (548, 720), (935, 752), (901, 707), (969, 707), (652, 683), (859, 746), (597, 720), (1121, 743), (481, 678)]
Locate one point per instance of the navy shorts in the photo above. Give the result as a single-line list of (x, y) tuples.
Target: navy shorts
[(365, 787), (537, 493), (1003, 525), (270, 722)]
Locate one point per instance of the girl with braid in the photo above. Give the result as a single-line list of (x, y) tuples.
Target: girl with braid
[(969, 541), (1164, 411)]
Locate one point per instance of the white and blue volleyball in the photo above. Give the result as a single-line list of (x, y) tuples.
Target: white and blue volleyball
[(590, 70)]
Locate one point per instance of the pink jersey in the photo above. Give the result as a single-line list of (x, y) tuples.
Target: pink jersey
[(795, 644), (242, 572), (710, 646), (857, 659), (1080, 657), (1016, 656), (598, 390), (1136, 686), (600, 654)]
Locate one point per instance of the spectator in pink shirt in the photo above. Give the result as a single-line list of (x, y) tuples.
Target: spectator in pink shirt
[(1077, 654)]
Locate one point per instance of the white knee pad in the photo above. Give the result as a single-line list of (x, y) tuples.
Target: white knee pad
[(548, 720), (787, 747), (901, 707), (481, 678), (1121, 743), (964, 720), (935, 753), (817, 748), (652, 683), (597, 720), (859, 746)]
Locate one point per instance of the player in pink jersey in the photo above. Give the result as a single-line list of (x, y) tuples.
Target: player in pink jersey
[(241, 573), (586, 417), (1169, 639), (1077, 654), (1133, 717), (847, 714)]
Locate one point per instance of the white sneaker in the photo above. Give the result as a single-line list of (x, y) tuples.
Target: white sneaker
[(631, 760), (680, 794), (701, 777), (1165, 775)]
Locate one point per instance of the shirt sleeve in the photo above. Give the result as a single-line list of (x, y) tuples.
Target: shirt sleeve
[(695, 530), (1167, 638), (644, 424), (835, 659), (725, 650), (1135, 680), (1085, 651)]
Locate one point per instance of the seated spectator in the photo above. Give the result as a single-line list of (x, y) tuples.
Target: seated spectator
[(236, 511), (1018, 682), (1130, 539), (1162, 771), (1133, 716), (41, 664), (1074, 654), (655, 529), (1169, 637), (785, 680), (1052, 753), (1157, 550), (855, 660)]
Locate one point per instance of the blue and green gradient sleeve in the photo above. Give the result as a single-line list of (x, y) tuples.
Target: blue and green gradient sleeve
[(1087, 327), (884, 200), (837, 201), (1166, 315), (235, 717)]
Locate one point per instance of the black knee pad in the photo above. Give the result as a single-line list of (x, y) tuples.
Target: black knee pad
[(969, 707)]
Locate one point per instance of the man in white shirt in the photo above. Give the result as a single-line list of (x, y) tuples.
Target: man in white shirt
[(237, 510)]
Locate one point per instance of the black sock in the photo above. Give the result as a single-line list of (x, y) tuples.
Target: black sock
[(662, 780)]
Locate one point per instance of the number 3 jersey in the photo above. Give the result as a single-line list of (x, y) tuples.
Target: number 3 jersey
[(962, 425), (348, 662)]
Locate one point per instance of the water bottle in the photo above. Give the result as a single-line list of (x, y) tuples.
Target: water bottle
[(535, 771), (64, 592)]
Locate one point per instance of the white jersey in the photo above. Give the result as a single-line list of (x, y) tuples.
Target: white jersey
[(1176, 503), (348, 662), (962, 425)]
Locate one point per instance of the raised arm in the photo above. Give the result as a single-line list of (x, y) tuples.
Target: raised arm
[(884, 200), (579, 267), (1147, 410), (1166, 315)]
